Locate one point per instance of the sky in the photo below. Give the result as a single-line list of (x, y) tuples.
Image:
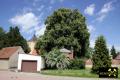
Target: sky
[(102, 17)]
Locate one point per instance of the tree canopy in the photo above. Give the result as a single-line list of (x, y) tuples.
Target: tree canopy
[(65, 28), (113, 52), (2, 38), (13, 38), (16, 39), (101, 56)]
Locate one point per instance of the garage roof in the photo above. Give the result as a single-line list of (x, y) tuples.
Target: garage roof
[(64, 50), (5, 53)]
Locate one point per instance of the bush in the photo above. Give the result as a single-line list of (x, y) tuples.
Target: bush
[(56, 60), (77, 64)]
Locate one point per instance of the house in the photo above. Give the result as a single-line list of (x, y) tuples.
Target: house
[(88, 63), (115, 63), (67, 52), (9, 57), (118, 57), (15, 58)]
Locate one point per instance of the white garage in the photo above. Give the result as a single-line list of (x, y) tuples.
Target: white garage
[(14, 58), (9, 57), (30, 63)]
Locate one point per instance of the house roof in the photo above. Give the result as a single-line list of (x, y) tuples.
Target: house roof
[(65, 50), (33, 52), (118, 57), (5, 53), (88, 62), (115, 62)]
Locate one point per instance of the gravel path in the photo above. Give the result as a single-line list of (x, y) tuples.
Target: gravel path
[(8, 75)]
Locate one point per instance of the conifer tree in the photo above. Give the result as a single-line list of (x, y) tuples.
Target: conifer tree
[(16, 39), (3, 39), (113, 52), (101, 56)]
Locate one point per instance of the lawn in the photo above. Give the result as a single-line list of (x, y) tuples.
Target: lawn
[(119, 73), (73, 73)]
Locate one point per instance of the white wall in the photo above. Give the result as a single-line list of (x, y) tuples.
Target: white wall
[(88, 66), (115, 65), (30, 57), (4, 64), (13, 60)]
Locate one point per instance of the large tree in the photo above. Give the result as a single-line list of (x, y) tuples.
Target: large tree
[(16, 39), (89, 53), (2, 35), (65, 28), (101, 56), (3, 38), (113, 52)]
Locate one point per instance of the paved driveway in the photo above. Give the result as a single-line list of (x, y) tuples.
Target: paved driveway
[(8, 75)]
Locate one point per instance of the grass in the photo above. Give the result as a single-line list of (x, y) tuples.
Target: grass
[(119, 73), (73, 73)]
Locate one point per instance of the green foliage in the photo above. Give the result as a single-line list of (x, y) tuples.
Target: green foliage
[(56, 60), (16, 39), (77, 64), (72, 73), (89, 53), (101, 56), (13, 38), (2, 33), (4, 42), (65, 28), (113, 52), (1, 30)]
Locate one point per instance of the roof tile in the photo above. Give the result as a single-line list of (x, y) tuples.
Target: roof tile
[(8, 51)]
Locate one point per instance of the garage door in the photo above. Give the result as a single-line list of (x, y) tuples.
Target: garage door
[(29, 66)]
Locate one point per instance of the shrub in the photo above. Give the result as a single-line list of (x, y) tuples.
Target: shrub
[(56, 60), (77, 64)]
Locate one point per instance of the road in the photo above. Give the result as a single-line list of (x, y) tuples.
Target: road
[(8, 75)]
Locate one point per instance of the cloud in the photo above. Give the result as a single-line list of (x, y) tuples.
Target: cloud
[(40, 30), (26, 20), (117, 47), (92, 43), (104, 11), (90, 9), (29, 23), (91, 28), (106, 8), (26, 10), (101, 17)]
